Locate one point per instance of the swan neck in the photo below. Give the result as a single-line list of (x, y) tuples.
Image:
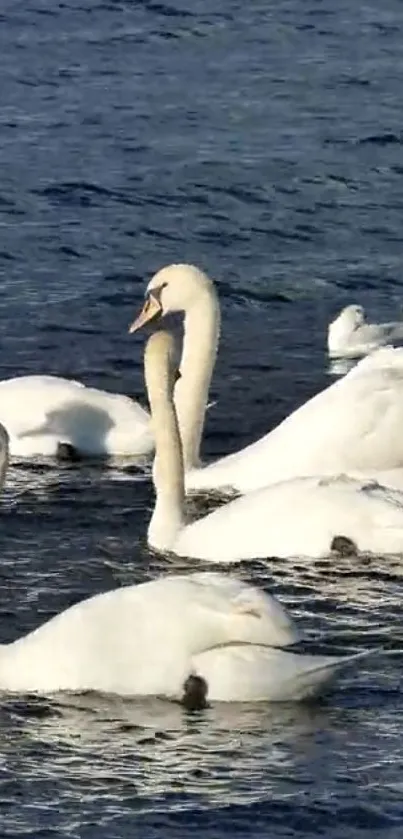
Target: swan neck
[(340, 332), (168, 516), (200, 344)]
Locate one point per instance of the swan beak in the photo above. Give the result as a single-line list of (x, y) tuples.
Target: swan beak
[(151, 310)]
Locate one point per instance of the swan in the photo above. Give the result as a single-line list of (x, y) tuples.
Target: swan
[(51, 416), (354, 425), (306, 516), (193, 638), (349, 336)]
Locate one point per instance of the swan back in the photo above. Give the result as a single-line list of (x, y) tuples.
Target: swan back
[(167, 518)]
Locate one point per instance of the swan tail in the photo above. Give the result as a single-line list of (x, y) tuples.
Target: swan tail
[(245, 673), (316, 674)]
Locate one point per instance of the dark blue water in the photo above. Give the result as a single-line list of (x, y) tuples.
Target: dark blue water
[(264, 142)]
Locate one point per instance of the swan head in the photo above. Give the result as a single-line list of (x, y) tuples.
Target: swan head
[(237, 612), (342, 328), (354, 315), (350, 317), (258, 618), (175, 288)]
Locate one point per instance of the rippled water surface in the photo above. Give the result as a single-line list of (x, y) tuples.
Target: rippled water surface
[(262, 141)]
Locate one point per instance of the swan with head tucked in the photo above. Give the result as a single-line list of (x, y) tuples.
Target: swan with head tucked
[(349, 336), (50, 416), (298, 517), (354, 426), (194, 638)]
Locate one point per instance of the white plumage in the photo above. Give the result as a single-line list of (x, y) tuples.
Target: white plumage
[(153, 638), (353, 426), (40, 412), (298, 517), (349, 336)]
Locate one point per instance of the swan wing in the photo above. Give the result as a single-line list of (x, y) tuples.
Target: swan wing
[(354, 424), (367, 338)]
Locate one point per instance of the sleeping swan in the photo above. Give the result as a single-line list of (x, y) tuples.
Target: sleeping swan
[(354, 425), (349, 336), (192, 638), (299, 517), (50, 416)]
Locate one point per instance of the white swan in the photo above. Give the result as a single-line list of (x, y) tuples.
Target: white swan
[(150, 638), (299, 517), (191, 638), (349, 336), (354, 425), (47, 415)]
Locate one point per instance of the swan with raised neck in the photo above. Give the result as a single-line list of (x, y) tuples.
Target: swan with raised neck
[(185, 288), (352, 427)]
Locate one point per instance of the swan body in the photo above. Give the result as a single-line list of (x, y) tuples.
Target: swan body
[(142, 639), (298, 517), (192, 638), (353, 426), (148, 639), (42, 412), (349, 336)]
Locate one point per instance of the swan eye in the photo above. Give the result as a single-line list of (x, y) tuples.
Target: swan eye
[(251, 611), (177, 375), (254, 613), (155, 293)]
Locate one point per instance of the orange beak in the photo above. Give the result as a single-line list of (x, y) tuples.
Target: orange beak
[(151, 310)]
